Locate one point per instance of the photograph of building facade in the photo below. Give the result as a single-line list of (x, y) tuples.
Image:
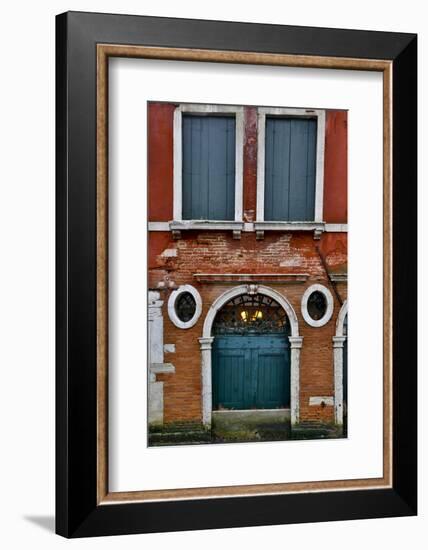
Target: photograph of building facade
[(247, 273)]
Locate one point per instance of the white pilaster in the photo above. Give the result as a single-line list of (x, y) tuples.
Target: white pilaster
[(156, 355), (338, 342), (206, 345), (155, 327), (296, 346)]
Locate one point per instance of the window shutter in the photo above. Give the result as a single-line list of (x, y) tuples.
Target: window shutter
[(208, 167), (290, 169)]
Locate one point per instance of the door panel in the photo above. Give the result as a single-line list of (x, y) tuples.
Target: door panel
[(251, 372), (272, 390), (232, 379)]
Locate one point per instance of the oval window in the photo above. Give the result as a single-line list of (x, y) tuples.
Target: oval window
[(185, 307), (317, 305)]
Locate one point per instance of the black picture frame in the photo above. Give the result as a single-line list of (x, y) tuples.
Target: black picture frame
[(77, 512)]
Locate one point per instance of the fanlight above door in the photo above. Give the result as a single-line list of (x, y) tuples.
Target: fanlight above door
[(251, 314)]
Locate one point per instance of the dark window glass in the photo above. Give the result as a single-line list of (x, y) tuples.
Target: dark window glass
[(317, 305), (185, 307), (290, 167), (208, 167)]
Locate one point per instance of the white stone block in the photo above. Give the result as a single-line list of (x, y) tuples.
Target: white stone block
[(156, 403)]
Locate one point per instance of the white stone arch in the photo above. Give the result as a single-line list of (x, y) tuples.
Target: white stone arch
[(207, 340), (338, 341), (341, 318)]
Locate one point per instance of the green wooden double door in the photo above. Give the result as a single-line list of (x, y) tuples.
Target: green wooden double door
[(251, 372)]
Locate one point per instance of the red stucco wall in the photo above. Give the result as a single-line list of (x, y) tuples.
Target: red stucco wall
[(336, 167), (160, 164), (250, 164), (160, 161)]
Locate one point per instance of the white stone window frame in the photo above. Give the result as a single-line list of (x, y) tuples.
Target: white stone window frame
[(178, 224), (317, 224), (329, 310), (171, 306)]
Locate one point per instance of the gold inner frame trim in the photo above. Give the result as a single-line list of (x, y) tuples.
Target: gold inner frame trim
[(104, 51)]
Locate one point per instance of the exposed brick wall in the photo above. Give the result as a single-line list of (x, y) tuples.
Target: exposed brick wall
[(211, 252), (217, 252), (182, 390)]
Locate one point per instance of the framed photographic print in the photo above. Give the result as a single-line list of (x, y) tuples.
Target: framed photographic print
[(226, 355)]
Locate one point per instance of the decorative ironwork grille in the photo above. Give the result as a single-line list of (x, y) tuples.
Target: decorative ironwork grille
[(317, 305), (185, 307), (251, 314)]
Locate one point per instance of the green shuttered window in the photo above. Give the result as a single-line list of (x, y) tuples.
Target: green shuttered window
[(290, 169), (208, 165)]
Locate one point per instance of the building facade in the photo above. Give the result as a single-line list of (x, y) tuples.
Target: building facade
[(247, 263)]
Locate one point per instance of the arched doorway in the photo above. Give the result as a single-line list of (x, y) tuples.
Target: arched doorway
[(251, 354), (207, 343), (340, 358)]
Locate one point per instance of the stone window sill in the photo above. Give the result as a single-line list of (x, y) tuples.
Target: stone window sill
[(237, 227), (186, 225), (261, 226)]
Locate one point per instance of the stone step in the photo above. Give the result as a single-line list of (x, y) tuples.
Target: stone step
[(313, 430), (179, 437)]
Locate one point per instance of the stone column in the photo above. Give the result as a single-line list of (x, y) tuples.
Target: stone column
[(155, 327), (296, 346), (207, 400), (338, 342), (155, 348)]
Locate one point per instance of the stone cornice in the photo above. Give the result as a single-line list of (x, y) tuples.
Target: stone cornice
[(270, 278)]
